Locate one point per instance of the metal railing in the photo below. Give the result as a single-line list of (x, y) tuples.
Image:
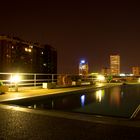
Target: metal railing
[(28, 79), (37, 79)]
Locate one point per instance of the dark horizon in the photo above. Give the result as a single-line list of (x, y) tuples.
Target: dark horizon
[(89, 30)]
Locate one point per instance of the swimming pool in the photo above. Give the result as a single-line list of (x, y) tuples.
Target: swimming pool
[(119, 101)]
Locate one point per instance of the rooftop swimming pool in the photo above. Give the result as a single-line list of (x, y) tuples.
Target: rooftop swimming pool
[(119, 101)]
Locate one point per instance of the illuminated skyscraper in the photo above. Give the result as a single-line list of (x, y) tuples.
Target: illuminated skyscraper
[(83, 68), (136, 71), (115, 64)]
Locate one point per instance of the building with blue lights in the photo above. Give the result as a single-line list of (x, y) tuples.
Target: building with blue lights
[(83, 67)]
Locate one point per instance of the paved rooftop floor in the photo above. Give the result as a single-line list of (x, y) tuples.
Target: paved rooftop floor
[(27, 92), (29, 125), (16, 124)]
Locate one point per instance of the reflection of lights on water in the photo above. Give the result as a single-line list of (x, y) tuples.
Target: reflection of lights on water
[(116, 95), (34, 105), (29, 106), (122, 94), (82, 100), (99, 84), (52, 104), (99, 95)]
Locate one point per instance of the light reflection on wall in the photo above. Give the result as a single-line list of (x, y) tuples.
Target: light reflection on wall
[(82, 100), (99, 95), (115, 96)]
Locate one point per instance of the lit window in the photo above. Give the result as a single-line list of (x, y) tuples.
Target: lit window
[(29, 50), (45, 64), (31, 46), (26, 49)]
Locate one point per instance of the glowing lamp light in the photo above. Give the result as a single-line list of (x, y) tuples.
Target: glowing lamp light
[(122, 74), (82, 61), (15, 79), (100, 78), (139, 80)]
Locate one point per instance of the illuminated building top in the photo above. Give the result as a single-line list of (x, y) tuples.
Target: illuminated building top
[(83, 67), (115, 64)]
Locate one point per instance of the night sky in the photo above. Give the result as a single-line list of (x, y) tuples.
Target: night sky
[(89, 30)]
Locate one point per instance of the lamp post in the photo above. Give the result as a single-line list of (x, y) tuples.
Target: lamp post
[(15, 79)]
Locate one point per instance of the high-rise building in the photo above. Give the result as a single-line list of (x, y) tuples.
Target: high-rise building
[(17, 55), (105, 71), (83, 68), (136, 71), (115, 64)]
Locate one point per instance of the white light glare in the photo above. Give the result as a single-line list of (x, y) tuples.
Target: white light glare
[(122, 74), (15, 79), (100, 78), (82, 61)]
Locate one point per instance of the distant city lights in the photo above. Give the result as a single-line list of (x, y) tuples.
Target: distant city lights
[(123, 74), (28, 50), (82, 61), (100, 78), (83, 67)]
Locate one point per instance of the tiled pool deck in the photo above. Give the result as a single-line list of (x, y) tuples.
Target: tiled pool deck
[(26, 93)]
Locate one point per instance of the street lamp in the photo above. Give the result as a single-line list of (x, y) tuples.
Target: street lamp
[(101, 78), (15, 79)]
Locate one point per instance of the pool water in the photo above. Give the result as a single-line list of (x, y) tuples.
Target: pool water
[(119, 101)]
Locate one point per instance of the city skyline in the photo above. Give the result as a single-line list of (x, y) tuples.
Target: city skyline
[(89, 30)]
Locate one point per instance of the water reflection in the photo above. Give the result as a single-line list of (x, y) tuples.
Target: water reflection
[(52, 104), (99, 95), (115, 101), (34, 106), (115, 96), (82, 100)]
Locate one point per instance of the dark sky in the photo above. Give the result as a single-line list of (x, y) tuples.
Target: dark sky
[(90, 30)]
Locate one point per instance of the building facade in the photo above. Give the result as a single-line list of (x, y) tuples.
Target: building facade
[(115, 64), (17, 55), (136, 71), (83, 68), (105, 71)]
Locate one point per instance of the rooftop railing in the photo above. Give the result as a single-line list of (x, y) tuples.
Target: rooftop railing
[(27, 79), (37, 79)]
